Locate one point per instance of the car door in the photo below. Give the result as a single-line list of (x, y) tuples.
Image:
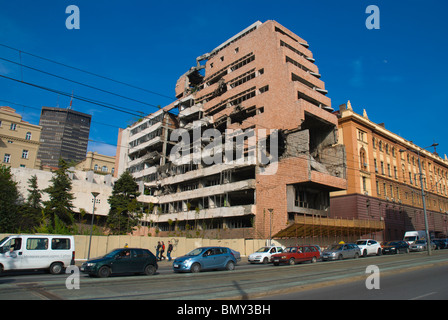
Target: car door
[(208, 259), (12, 255), (138, 260), (221, 257), (345, 251), (350, 251), (122, 262)]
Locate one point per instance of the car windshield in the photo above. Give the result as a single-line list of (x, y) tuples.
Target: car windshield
[(291, 249), (335, 247), (264, 249), (361, 242), (411, 238), (420, 241), (195, 252), (4, 240), (112, 253)]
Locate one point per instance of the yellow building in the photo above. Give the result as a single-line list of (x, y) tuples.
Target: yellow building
[(19, 140), (383, 179), (98, 163)]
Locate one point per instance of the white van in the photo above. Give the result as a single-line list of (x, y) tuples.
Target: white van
[(412, 236), (52, 252)]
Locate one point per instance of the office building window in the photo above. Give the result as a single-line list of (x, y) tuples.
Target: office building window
[(24, 154), (28, 136)]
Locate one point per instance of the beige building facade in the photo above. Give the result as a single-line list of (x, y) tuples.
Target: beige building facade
[(383, 179), (97, 163), (19, 140)]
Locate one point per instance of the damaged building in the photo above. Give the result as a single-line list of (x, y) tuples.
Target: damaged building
[(250, 144)]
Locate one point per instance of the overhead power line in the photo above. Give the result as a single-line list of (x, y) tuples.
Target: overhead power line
[(95, 102), (87, 72), (80, 83)]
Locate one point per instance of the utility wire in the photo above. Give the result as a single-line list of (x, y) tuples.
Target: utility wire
[(88, 72), (80, 83), (98, 103)]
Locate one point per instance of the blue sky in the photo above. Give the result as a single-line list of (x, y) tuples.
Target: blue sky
[(397, 73)]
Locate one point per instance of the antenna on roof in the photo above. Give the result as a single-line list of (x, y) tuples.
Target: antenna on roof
[(71, 101)]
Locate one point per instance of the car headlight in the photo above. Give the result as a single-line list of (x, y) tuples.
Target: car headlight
[(91, 264)]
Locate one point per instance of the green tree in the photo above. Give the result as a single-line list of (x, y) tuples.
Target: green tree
[(60, 203), (9, 196), (125, 211), (31, 211)]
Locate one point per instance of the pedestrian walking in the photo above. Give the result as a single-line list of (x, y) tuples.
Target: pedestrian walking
[(158, 248), (162, 250), (170, 249)]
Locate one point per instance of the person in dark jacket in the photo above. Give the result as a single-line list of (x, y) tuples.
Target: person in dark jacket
[(170, 249)]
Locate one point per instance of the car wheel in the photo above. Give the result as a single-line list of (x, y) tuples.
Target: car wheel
[(150, 270), (265, 260), (230, 266), (379, 252), (407, 250), (292, 262), (341, 257), (195, 268), (56, 268), (104, 272), (356, 255), (314, 260), (364, 253), (276, 263)]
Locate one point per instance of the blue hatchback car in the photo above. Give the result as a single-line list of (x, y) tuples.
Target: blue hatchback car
[(206, 258)]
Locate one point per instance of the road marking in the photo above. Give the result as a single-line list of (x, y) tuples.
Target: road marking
[(423, 296)]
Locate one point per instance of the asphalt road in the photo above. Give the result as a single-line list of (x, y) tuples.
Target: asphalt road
[(248, 282), (422, 284)]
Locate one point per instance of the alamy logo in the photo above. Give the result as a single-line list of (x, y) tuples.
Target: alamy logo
[(72, 281), (373, 280), (235, 147), (373, 21), (73, 20)]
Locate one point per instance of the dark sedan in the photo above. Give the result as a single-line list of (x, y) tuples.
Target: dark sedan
[(121, 261), (395, 247)]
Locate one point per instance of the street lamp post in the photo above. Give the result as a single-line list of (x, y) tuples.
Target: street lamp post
[(270, 226), (428, 238), (94, 194)]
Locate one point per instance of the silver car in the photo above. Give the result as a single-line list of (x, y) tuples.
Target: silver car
[(341, 251), (420, 245)]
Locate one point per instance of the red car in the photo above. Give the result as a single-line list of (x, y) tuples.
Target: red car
[(293, 255)]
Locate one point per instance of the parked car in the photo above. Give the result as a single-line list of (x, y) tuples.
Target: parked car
[(121, 261), (395, 247), (293, 255), (369, 247), (420, 245), (236, 254), (206, 258), (341, 251), (263, 255), (441, 243)]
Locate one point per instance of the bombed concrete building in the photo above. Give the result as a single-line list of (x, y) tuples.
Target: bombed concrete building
[(249, 145)]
